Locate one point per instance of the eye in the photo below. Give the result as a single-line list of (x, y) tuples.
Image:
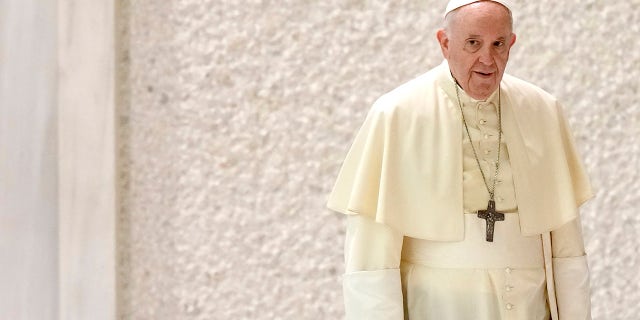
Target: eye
[(472, 45), (498, 44)]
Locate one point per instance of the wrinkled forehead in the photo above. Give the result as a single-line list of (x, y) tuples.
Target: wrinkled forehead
[(455, 4)]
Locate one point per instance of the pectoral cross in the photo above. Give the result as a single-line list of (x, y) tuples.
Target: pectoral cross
[(491, 216)]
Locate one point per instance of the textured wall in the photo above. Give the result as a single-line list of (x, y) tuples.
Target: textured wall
[(234, 117)]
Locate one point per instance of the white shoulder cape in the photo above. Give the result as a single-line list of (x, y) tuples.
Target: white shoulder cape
[(404, 168)]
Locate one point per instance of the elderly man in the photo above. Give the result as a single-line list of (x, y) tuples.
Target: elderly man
[(462, 191)]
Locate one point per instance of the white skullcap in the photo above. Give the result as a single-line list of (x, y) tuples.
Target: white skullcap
[(455, 4)]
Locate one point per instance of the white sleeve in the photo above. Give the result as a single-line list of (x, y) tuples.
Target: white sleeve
[(371, 284), (571, 272)]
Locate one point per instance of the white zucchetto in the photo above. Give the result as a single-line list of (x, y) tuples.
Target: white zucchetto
[(455, 4)]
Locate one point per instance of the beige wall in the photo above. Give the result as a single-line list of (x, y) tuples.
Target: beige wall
[(234, 117)]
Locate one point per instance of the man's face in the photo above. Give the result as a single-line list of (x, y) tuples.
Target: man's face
[(476, 43)]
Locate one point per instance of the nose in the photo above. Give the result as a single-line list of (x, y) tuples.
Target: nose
[(486, 56)]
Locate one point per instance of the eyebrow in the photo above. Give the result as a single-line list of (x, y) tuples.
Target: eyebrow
[(479, 36)]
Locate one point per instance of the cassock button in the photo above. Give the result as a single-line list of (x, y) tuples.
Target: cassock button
[(508, 288), (509, 306), (483, 121), (507, 270)]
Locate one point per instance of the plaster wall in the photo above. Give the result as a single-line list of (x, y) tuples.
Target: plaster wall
[(234, 118)]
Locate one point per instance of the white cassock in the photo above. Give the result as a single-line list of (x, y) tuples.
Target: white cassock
[(415, 248)]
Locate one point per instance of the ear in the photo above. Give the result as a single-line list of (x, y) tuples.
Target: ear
[(513, 40), (443, 40)]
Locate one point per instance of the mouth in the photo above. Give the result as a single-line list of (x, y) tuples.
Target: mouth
[(484, 74)]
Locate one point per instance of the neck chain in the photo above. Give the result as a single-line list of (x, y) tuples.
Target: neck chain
[(490, 215), (492, 190)]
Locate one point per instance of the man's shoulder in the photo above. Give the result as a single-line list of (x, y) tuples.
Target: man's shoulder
[(418, 86), (521, 89), (411, 94)]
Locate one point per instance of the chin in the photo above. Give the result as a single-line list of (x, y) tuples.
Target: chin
[(485, 88), (482, 92)]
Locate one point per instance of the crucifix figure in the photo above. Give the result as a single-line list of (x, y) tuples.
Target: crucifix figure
[(491, 216)]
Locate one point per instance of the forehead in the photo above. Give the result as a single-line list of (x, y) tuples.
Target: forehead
[(483, 17)]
